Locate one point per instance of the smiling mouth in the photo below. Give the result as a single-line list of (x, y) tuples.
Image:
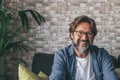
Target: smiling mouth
[(84, 43)]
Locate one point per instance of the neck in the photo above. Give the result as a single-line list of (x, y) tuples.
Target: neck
[(80, 55)]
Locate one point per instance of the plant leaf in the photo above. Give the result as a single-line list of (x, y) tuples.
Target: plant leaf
[(24, 20), (37, 17)]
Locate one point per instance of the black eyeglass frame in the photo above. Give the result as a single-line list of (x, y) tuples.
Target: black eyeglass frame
[(81, 33)]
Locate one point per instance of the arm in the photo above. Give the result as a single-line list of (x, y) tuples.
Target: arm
[(58, 68), (108, 67)]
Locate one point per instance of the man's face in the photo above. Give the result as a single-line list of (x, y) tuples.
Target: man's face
[(82, 37)]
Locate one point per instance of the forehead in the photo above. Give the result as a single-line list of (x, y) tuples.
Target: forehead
[(84, 26)]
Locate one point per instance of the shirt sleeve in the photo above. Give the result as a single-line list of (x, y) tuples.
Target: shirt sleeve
[(58, 68), (108, 67)]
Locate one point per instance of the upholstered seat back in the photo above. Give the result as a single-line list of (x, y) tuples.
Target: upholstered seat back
[(42, 62)]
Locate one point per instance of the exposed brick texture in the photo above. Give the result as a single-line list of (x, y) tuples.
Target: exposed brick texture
[(54, 33)]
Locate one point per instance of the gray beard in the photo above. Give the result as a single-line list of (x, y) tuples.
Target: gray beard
[(82, 50)]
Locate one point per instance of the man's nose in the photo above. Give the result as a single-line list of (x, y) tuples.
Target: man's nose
[(84, 37)]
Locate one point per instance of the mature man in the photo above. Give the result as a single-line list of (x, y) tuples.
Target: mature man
[(82, 60)]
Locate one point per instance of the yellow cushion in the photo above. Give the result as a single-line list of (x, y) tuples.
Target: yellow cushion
[(42, 76), (26, 74)]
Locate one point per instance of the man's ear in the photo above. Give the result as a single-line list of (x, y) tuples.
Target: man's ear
[(71, 36)]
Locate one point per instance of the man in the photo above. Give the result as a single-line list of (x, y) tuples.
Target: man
[(82, 60)]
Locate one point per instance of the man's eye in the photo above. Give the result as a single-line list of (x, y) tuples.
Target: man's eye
[(81, 32), (90, 33)]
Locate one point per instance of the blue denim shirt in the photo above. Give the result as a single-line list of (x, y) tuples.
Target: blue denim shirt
[(65, 61)]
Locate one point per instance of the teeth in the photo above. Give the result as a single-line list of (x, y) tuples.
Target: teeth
[(84, 42)]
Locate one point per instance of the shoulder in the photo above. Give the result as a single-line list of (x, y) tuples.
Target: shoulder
[(62, 55), (66, 51), (99, 51)]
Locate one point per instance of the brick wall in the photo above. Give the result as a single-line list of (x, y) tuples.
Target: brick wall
[(59, 13)]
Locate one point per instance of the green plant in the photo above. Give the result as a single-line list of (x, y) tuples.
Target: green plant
[(9, 35)]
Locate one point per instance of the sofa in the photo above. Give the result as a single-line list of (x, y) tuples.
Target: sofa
[(43, 62)]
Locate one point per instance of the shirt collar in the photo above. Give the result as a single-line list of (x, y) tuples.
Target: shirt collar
[(71, 50)]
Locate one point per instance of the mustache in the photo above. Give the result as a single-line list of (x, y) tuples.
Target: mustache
[(86, 41)]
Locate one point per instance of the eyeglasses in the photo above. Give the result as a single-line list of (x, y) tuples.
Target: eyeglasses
[(81, 33)]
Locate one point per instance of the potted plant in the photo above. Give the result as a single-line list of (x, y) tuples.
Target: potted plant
[(8, 41)]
